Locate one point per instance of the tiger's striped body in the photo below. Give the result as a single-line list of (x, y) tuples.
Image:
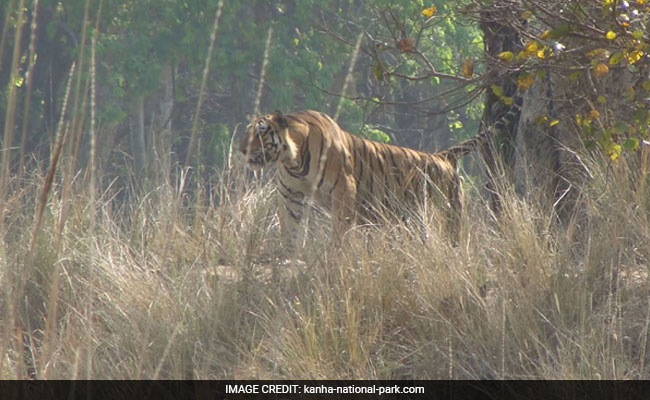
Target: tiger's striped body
[(356, 179)]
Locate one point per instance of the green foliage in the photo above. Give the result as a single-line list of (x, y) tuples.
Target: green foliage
[(374, 133), (309, 55), (218, 140), (429, 42)]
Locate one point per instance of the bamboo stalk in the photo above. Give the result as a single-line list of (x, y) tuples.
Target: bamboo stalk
[(206, 69), (265, 62), (5, 29), (348, 76), (73, 146), (38, 219), (77, 91), (93, 113), (11, 111), (260, 88), (29, 81)]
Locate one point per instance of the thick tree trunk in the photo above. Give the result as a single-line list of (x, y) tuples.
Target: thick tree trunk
[(537, 164), (538, 157), (547, 156), (500, 119)]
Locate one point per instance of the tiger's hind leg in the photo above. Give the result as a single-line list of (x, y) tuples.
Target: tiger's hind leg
[(344, 207), (455, 212)]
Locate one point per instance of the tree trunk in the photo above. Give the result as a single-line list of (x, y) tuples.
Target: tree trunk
[(500, 119), (536, 163), (547, 156)]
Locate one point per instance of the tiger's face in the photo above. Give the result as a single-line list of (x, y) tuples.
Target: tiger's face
[(264, 141)]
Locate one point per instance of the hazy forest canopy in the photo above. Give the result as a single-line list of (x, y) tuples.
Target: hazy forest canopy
[(151, 55), (133, 243)]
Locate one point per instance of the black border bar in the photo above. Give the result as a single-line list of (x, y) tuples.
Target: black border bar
[(329, 389)]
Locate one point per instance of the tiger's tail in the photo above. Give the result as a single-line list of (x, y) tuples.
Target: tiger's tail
[(454, 153)]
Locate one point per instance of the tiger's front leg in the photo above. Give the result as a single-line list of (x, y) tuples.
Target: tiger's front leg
[(291, 214)]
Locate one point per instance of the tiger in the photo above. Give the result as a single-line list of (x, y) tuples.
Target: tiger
[(353, 178)]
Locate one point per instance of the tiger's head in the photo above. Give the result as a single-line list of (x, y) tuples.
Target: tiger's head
[(266, 140)]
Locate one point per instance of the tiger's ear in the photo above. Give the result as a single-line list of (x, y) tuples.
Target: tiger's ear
[(249, 117), (280, 119)]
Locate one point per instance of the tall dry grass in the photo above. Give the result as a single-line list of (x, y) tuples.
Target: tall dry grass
[(163, 287)]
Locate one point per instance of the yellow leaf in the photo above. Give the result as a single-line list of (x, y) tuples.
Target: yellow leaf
[(532, 46), (634, 56), (554, 122), (610, 35), (498, 90), (525, 80), (594, 113), (601, 70), (597, 52), (614, 151), (506, 56), (540, 54), (601, 99), (468, 68), (545, 34), (541, 119), (428, 12), (524, 54), (507, 100), (379, 71), (526, 14)]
